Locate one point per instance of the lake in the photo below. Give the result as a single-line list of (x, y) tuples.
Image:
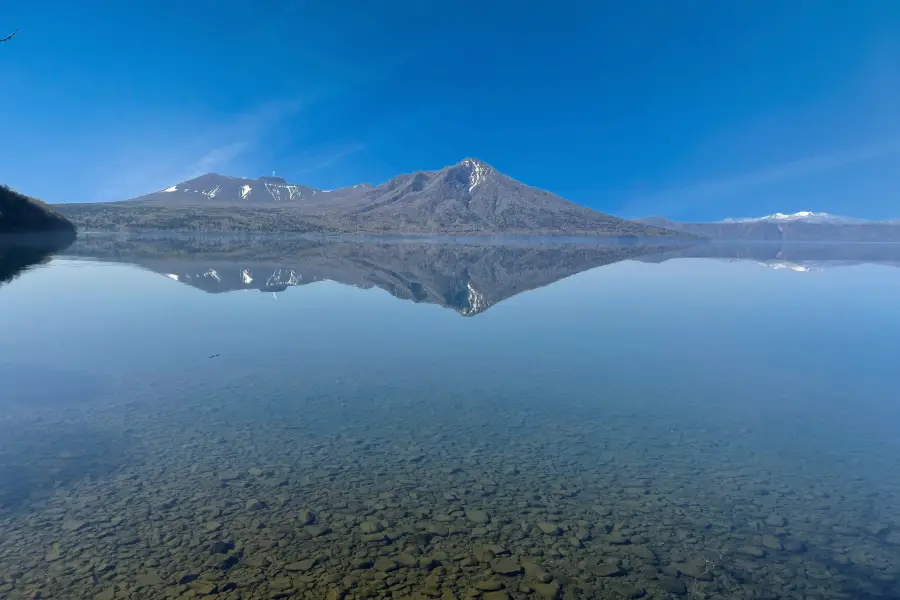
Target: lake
[(263, 418)]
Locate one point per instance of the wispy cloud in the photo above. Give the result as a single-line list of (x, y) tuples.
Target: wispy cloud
[(219, 145), (216, 158), (226, 143), (705, 191), (325, 158)]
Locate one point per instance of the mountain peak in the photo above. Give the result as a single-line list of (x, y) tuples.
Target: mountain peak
[(477, 170), (805, 216)]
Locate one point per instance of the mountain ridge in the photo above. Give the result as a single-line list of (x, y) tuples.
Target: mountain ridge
[(468, 197), (805, 216)]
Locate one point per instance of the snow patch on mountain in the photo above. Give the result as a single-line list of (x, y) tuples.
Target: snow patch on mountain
[(477, 174), (284, 277), (780, 265), (804, 216), (476, 300), (294, 192)]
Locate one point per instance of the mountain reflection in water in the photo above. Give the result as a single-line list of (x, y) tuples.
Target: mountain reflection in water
[(468, 276)]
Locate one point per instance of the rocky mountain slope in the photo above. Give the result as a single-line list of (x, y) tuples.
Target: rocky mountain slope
[(470, 197)]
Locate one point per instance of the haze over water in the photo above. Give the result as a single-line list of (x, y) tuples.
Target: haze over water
[(543, 422)]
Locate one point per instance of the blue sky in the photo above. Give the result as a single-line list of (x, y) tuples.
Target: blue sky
[(694, 110)]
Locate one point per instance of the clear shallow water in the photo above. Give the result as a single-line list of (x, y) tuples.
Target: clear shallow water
[(656, 427)]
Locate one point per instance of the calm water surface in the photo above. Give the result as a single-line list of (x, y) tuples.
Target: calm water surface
[(413, 420)]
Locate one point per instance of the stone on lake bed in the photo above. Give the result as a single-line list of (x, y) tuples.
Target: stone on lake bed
[(752, 551), (497, 595), (627, 590), (547, 591), (107, 594), (72, 525), (371, 527), (203, 588), (549, 528), (775, 521), (491, 585), (506, 566), (438, 529), (55, 553), (478, 516), (376, 538), (221, 547), (302, 565), (483, 553), (149, 578), (673, 586), (542, 576), (281, 583), (255, 504), (771, 542), (606, 570), (306, 517), (385, 564), (407, 560), (318, 530), (616, 539), (257, 561), (642, 552), (695, 570)]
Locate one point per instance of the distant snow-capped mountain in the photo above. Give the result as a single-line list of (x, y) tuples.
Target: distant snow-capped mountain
[(804, 226), (804, 216)]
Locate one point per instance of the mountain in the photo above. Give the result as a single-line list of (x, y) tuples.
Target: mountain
[(22, 214), (468, 278), (803, 226), (803, 216), (470, 197), (220, 189)]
